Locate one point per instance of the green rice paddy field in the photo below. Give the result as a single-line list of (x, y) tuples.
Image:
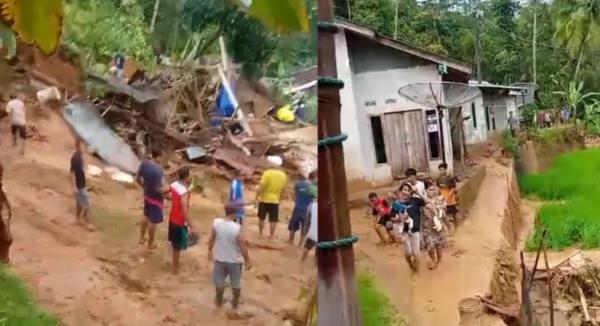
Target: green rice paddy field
[(571, 190)]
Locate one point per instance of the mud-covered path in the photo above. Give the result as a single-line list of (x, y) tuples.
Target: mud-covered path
[(431, 298)]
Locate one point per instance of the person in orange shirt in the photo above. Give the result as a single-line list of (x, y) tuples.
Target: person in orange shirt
[(447, 185)]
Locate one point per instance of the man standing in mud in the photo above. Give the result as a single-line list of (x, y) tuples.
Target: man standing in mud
[(179, 219), (16, 111), (150, 177), (227, 245), (5, 235), (300, 213), (82, 197), (269, 193)]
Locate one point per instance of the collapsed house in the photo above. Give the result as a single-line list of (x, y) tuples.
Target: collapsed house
[(179, 110)]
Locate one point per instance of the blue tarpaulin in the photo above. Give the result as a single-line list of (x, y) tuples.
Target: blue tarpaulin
[(91, 128), (224, 107)]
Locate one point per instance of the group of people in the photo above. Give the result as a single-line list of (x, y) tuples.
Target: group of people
[(227, 246), (419, 214)]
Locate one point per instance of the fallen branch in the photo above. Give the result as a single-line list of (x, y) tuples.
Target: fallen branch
[(584, 305)]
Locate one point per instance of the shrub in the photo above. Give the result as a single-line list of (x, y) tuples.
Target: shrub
[(510, 143)]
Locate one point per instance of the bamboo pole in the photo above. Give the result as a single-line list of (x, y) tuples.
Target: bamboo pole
[(337, 300)]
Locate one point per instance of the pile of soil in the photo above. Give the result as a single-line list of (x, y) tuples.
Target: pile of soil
[(505, 279)]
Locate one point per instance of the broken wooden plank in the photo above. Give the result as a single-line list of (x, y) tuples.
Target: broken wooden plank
[(507, 311)]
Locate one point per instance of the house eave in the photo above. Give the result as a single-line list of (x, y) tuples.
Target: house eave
[(371, 34)]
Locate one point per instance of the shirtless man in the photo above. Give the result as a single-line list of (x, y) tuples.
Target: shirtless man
[(5, 235)]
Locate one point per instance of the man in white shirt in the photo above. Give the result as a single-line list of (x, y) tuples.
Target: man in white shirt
[(16, 111), (418, 186), (229, 247)]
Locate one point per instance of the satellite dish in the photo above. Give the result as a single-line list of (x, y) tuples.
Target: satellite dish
[(440, 95), (436, 94)]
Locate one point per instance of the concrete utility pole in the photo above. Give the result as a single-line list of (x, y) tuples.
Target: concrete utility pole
[(396, 20), (336, 282), (534, 50), (479, 15), (349, 10)]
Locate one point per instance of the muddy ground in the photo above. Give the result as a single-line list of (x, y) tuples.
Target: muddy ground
[(105, 277)]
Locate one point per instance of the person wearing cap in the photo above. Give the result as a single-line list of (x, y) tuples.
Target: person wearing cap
[(228, 246), (268, 195)]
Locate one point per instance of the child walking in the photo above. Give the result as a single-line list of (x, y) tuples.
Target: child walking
[(447, 186)]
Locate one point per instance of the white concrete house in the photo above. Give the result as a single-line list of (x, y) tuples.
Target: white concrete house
[(488, 114), (387, 133)]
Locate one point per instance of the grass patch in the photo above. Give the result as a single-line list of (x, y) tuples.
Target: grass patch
[(376, 309), (573, 185), (17, 306)]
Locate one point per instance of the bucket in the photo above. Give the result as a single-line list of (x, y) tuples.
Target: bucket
[(49, 94), (470, 310)]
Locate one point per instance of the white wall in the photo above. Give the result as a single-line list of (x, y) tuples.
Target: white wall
[(503, 104), (376, 75), (353, 154), (479, 134)]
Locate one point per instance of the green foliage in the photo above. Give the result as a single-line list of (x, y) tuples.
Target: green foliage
[(376, 309), (592, 118), (17, 306), (556, 137), (574, 96), (528, 113), (281, 16), (247, 40), (36, 22), (312, 109), (509, 143), (100, 29), (573, 184), (8, 42), (506, 37)]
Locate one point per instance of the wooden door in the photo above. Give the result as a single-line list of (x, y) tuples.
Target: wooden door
[(405, 139)]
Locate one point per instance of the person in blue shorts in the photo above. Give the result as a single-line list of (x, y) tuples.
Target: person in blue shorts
[(300, 215), (150, 176), (236, 195)]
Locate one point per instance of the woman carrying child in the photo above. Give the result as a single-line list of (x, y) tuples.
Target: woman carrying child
[(432, 225)]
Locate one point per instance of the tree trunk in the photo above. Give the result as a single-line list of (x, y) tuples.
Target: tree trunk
[(153, 23), (337, 299), (580, 54)]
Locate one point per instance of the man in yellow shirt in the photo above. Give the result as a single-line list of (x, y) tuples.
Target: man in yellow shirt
[(268, 196)]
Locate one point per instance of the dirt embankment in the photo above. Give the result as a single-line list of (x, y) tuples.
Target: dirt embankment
[(539, 150), (505, 282)]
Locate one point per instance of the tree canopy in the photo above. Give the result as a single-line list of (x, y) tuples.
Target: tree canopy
[(568, 36)]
